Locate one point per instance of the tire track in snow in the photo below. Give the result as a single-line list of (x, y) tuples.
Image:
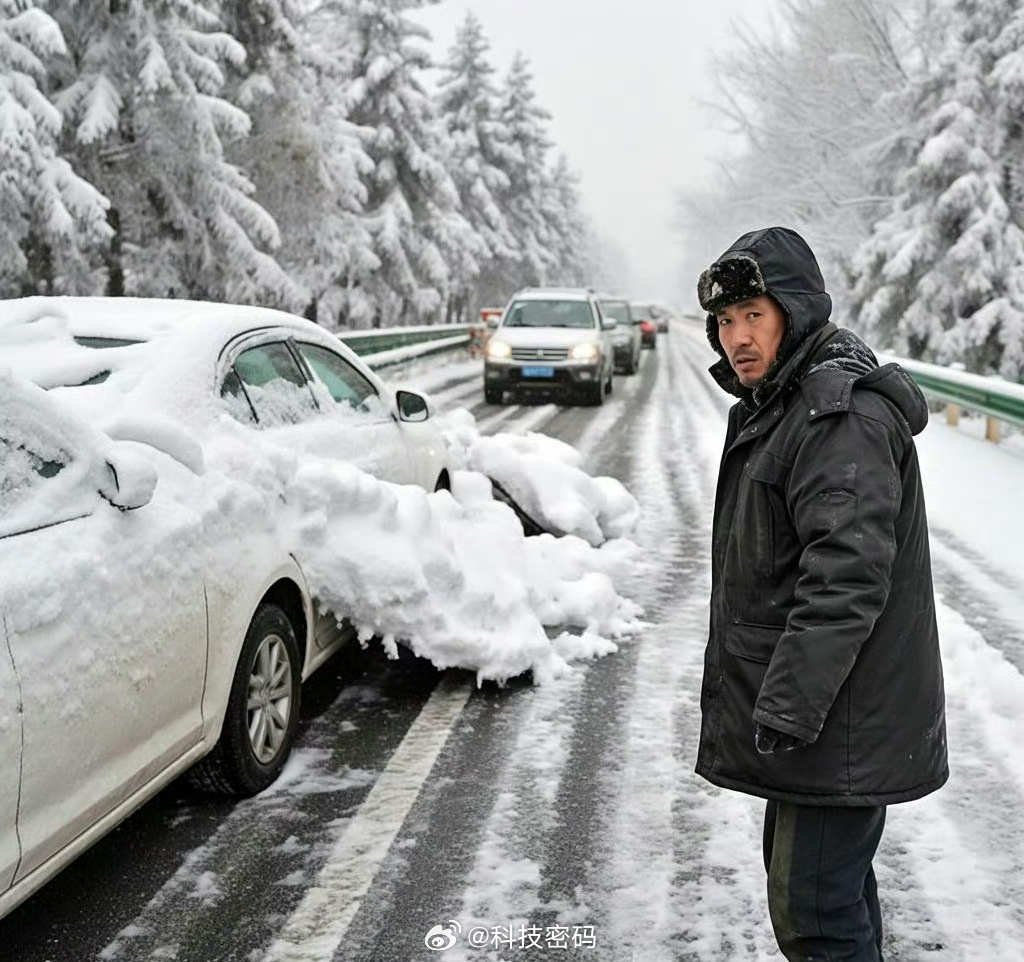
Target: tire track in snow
[(987, 598), (503, 885)]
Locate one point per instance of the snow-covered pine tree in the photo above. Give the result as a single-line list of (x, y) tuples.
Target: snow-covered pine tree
[(317, 177), (411, 210), (1002, 319), (816, 140), (942, 276), (476, 146), (525, 162), (50, 215), (145, 122), (569, 226), (303, 156)]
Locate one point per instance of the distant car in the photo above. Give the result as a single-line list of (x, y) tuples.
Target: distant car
[(554, 341), (644, 313), (662, 318), (153, 619), (626, 336)]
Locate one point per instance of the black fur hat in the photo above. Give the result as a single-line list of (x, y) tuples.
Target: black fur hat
[(729, 280), (775, 261)]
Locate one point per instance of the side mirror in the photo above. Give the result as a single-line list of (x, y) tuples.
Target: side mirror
[(609, 324), (128, 481), (412, 406)]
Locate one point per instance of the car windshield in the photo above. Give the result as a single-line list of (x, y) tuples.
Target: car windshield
[(618, 310), (549, 313)]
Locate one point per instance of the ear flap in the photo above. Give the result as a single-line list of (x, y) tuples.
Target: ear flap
[(731, 279)]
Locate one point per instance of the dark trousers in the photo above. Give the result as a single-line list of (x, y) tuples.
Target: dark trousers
[(822, 895)]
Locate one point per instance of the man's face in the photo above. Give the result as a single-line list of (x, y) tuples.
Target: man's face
[(750, 333)]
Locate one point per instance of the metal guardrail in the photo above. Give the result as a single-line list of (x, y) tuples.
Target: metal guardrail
[(383, 347), (997, 399)]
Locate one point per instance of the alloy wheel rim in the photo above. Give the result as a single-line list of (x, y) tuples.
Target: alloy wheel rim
[(269, 702)]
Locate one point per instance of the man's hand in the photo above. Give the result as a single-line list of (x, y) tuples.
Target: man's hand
[(767, 740)]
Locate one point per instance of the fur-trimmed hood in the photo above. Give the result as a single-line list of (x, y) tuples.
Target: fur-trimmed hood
[(775, 261)]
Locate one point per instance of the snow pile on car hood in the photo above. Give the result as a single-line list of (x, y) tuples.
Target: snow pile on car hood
[(545, 477), (450, 574)]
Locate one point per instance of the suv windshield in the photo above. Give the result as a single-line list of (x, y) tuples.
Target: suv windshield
[(553, 313), (619, 310)]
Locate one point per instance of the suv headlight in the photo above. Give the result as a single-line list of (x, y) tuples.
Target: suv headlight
[(585, 352), (498, 349)]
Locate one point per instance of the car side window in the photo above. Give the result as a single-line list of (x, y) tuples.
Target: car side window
[(22, 470), (273, 384), (346, 385), (233, 394)]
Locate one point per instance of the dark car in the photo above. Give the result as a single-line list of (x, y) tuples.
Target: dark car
[(626, 337)]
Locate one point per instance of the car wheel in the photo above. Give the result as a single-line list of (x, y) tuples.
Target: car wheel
[(263, 710), (594, 394), (492, 395)]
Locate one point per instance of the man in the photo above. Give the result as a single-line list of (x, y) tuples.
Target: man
[(822, 686)]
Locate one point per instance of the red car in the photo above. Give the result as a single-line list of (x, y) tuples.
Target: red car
[(643, 315)]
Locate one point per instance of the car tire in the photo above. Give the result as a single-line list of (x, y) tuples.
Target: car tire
[(263, 710), (594, 394), (492, 395)]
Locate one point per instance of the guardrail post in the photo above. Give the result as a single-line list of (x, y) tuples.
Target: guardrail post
[(952, 414), (992, 432)]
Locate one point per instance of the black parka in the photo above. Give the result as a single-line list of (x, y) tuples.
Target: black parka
[(822, 609)]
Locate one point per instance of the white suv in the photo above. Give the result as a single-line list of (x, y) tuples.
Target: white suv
[(551, 340)]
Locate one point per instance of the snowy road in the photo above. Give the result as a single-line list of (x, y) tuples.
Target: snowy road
[(564, 821)]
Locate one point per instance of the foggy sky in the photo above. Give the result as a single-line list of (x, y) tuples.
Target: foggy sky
[(623, 79)]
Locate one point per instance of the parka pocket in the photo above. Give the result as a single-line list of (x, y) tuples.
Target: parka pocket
[(760, 508), (753, 642)]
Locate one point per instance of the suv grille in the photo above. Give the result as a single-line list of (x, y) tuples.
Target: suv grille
[(537, 354)]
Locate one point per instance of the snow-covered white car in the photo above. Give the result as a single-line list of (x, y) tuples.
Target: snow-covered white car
[(154, 617)]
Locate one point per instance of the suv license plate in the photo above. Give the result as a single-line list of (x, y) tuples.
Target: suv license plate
[(538, 371)]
